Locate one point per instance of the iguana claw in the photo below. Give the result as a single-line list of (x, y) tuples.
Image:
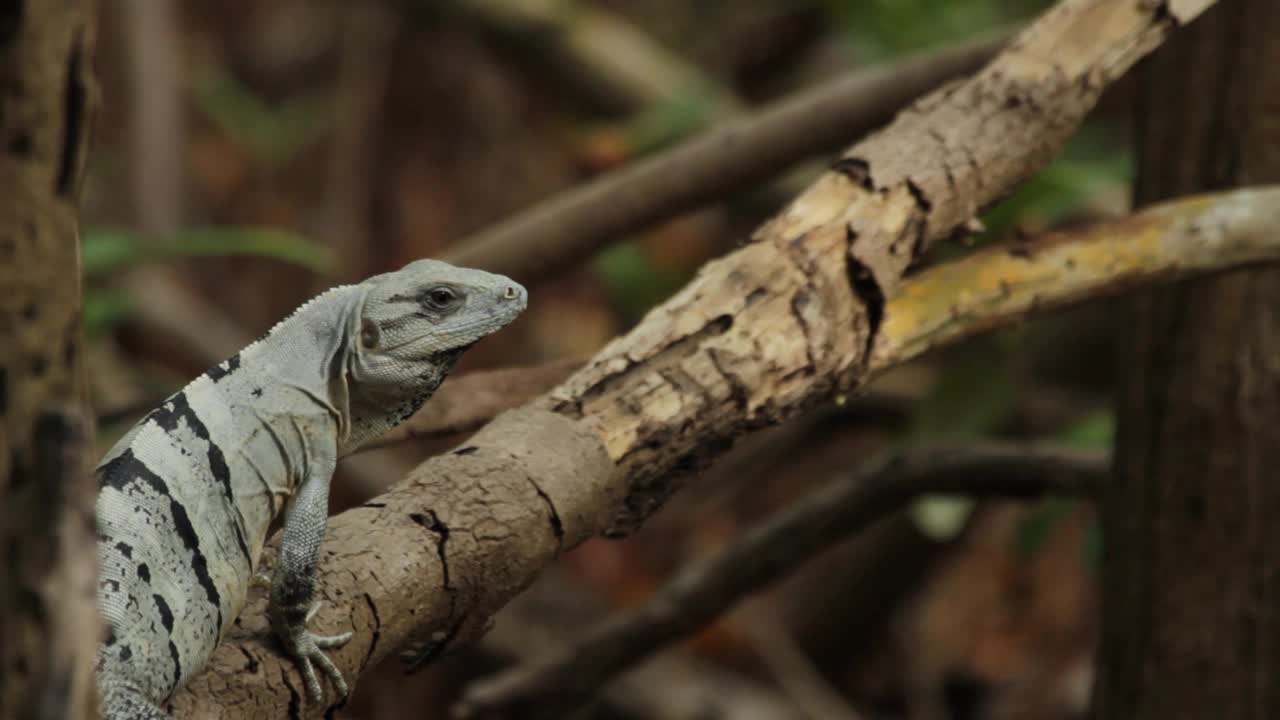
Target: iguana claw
[(306, 648)]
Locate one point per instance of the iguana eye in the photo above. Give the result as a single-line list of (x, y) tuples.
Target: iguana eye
[(441, 298)]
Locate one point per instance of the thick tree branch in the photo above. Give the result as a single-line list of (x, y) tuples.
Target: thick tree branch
[(942, 305), (364, 69), (779, 325), (569, 227), (560, 680), (472, 399), (989, 288)]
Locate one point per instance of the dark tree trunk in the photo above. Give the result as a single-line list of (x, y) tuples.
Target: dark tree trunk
[(48, 627), (1192, 571)]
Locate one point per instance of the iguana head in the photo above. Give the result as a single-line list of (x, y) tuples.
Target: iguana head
[(426, 314), (404, 333)]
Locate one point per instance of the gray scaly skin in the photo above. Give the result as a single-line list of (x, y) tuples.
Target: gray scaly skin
[(186, 497)]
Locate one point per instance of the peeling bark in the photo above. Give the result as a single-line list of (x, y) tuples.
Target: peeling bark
[(757, 337), (787, 320), (48, 626)]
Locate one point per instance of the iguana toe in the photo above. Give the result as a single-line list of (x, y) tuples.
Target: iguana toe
[(308, 651)]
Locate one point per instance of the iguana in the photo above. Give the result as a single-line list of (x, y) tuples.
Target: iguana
[(186, 497)]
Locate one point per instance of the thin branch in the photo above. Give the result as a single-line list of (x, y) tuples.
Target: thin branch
[(569, 227), (364, 70), (997, 286), (564, 678), (620, 63), (556, 608), (783, 323), (157, 128), (791, 668)]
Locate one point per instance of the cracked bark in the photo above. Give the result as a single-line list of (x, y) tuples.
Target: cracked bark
[(48, 626), (614, 440), (936, 307), (1191, 603)]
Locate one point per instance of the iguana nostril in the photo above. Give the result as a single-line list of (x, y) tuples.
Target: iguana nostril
[(511, 293)]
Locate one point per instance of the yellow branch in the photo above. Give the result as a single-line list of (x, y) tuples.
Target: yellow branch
[(997, 286)]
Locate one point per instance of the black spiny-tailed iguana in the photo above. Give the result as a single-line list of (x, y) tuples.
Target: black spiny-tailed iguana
[(186, 497)]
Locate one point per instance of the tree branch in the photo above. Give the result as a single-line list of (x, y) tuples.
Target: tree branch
[(997, 286), (560, 680), (779, 325), (157, 128), (472, 399), (556, 608), (620, 63), (793, 670), (364, 69), (569, 227)]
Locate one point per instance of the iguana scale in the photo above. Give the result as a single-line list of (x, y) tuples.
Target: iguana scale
[(186, 497)]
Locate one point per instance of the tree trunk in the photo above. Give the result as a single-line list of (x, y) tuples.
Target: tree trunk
[(1192, 570), (48, 626)]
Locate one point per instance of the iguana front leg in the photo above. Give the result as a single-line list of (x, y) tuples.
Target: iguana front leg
[(293, 582)]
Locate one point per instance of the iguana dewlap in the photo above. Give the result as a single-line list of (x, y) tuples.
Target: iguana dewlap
[(187, 495)]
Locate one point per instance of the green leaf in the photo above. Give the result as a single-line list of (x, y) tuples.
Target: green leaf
[(272, 134), (107, 250), (941, 517), (971, 400), (104, 309), (1093, 546), (884, 28), (666, 122), (633, 280), (102, 251), (1092, 163), (264, 242), (1097, 430), (1035, 529)]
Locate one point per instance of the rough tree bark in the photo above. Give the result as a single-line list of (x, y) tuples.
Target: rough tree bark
[(48, 626), (781, 324), (1192, 578)]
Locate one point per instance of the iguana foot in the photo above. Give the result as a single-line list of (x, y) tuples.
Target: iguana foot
[(306, 649)]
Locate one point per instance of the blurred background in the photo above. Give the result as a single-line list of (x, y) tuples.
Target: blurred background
[(251, 153)]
